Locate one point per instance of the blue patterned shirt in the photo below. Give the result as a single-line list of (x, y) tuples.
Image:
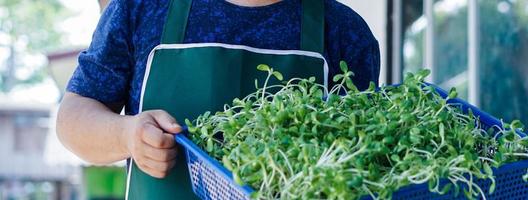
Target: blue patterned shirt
[(111, 70)]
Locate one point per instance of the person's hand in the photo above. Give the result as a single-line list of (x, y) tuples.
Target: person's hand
[(150, 141)]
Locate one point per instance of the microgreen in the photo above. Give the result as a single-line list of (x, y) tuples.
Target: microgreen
[(302, 142)]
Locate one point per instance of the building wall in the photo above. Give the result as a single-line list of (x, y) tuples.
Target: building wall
[(24, 171), (103, 4), (61, 66)]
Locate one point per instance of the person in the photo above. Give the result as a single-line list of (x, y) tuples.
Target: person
[(111, 72)]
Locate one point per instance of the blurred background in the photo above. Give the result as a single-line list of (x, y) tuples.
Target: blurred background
[(478, 46)]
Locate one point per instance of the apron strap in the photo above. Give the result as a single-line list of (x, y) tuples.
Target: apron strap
[(312, 26), (176, 22)]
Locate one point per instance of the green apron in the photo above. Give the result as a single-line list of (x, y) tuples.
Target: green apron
[(187, 80)]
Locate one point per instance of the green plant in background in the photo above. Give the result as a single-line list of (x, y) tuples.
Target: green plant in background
[(104, 182), (302, 142), (30, 28)]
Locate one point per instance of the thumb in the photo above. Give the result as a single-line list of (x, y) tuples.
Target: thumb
[(166, 121)]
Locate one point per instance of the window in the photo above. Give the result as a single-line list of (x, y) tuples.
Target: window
[(504, 58), (478, 46)]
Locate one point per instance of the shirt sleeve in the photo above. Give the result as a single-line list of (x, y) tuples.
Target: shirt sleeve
[(364, 62), (104, 69), (359, 49)]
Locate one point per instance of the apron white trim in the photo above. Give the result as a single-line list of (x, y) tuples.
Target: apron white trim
[(227, 46), (129, 171)]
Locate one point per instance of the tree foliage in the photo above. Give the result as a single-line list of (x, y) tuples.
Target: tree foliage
[(29, 28)]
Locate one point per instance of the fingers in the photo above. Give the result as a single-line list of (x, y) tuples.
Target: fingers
[(155, 168), (155, 137), (166, 121), (161, 155), (152, 148)]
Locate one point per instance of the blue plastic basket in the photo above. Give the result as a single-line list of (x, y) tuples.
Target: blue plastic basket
[(210, 180)]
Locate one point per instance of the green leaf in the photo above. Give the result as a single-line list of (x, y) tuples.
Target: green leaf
[(210, 145), (423, 73), (237, 178), (516, 124), (349, 84), (453, 93), (344, 67), (457, 191), (338, 77), (431, 184), (388, 139), (468, 156), (192, 129), (415, 131), (415, 139), (263, 67), (278, 75), (446, 188), (395, 158), (492, 186), (487, 169), (524, 142), (204, 131), (468, 194), (254, 195), (188, 122), (372, 86), (227, 163), (525, 177), (319, 94), (356, 181)]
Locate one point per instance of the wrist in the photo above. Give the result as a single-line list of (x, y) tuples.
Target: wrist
[(125, 123)]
